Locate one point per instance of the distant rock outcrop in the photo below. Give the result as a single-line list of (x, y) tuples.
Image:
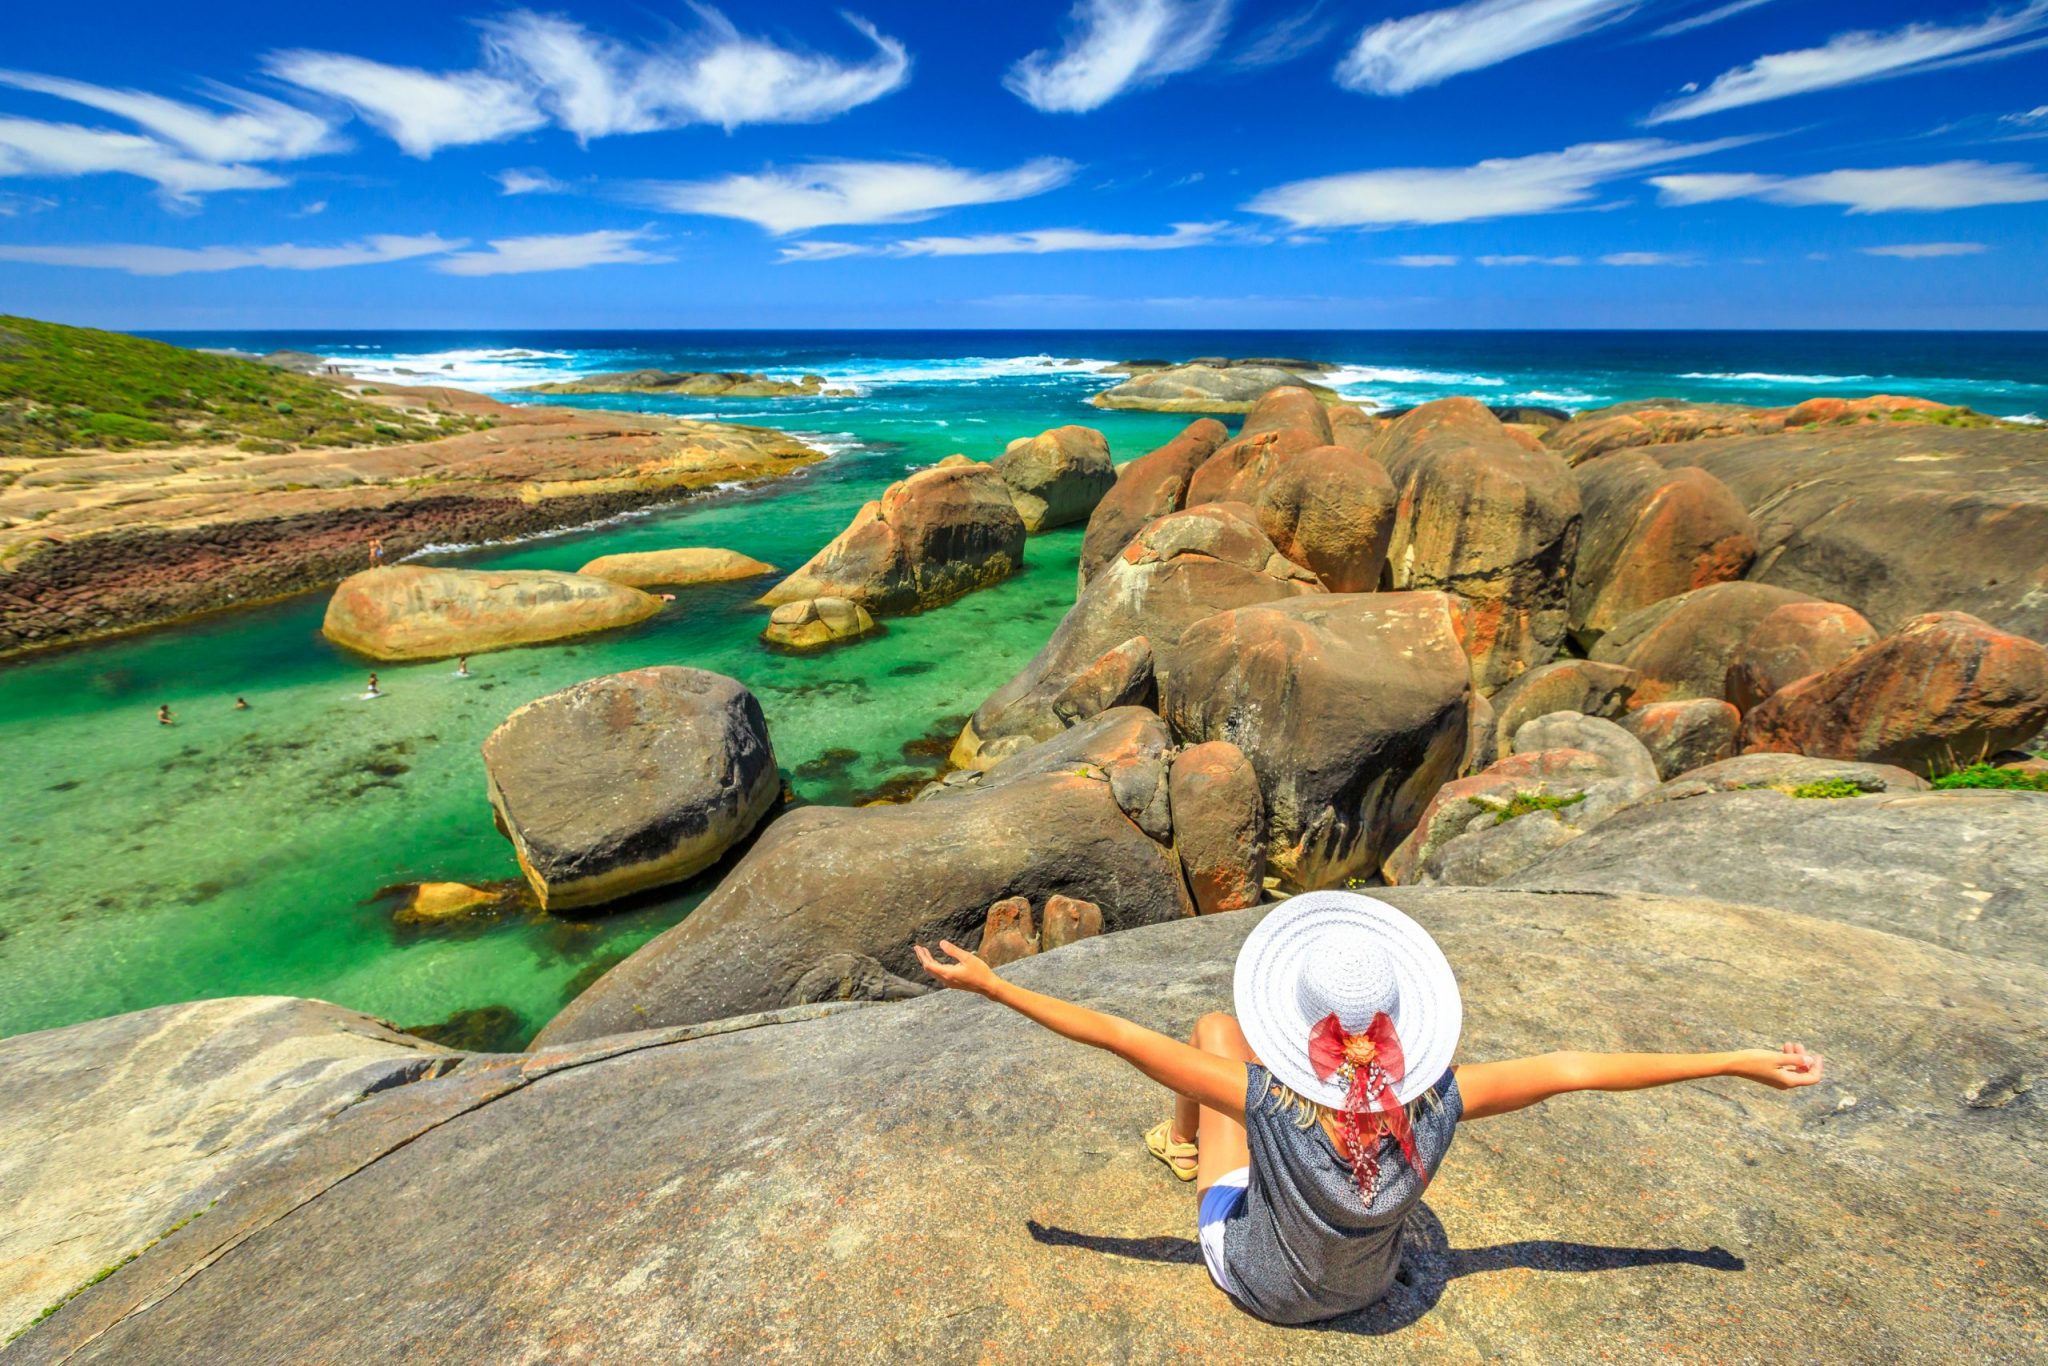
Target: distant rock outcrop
[(691, 384), (676, 568), (1057, 477), (420, 612), (1206, 385)]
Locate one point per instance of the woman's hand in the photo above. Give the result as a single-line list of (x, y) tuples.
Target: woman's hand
[(965, 973), (1782, 1068)]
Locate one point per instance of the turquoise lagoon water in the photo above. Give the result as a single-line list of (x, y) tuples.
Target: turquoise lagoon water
[(241, 851)]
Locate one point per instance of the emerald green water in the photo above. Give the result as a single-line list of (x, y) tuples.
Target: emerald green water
[(239, 851)]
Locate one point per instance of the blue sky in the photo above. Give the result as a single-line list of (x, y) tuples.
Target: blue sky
[(1105, 163)]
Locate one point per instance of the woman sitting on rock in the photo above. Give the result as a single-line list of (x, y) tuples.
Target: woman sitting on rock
[(1312, 1121)]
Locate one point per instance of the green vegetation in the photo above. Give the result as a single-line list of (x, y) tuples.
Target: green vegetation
[(74, 388), (1522, 803), (104, 1272), (1828, 789), (1984, 775)]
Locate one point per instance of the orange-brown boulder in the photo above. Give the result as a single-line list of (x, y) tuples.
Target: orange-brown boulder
[(1484, 517), (1648, 534), (1682, 646), (1009, 934), (1120, 677), (1797, 639), (1219, 826), (1581, 685), (411, 611), (1285, 407), (1057, 477), (1683, 736), (1066, 920), (1146, 489), (1942, 691), (1353, 428), (1817, 410), (1233, 474), (1655, 422)]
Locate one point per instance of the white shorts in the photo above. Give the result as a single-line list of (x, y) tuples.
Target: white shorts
[(1219, 1202)]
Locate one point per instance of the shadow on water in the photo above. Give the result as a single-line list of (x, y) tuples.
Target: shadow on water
[(1428, 1264)]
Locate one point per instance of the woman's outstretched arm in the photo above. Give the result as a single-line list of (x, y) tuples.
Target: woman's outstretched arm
[(1497, 1088), (1202, 1077)]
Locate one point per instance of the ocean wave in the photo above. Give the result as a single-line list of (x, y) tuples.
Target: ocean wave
[(1394, 374), (1767, 377), (460, 547), (2030, 419), (1567, 398), (470, 368), (861, 373), (832, 443)]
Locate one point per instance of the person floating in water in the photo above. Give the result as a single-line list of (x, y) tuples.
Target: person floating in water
[(462, 666), (163, 715), (1311, 1121), (241, 704), (376, 551), (373, 690)]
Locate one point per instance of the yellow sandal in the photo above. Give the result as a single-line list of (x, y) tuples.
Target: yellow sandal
[(1159, 1142)]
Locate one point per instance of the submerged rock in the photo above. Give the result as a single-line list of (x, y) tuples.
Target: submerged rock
[(629, 781), (816, 622), (1057, 477), (411, 611), (870, 881), (676, 568)]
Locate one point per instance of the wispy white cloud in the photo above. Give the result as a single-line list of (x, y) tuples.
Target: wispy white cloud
[(1286, 38), (312, 210), (1422, 262), (1712, 16), (1396, 56), (848, 192), (257, 128), (1034, 242), (1118, 45), (520, 181), (1528, 260), (1944, 185), (30, 147), (1500, 187), (554, 251), (540, 69), (1918, 251), (138, 258), (21, 205), (1855, 58), (421, 111), (1649, 258)]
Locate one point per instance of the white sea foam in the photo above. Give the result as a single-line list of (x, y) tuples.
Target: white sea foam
[(861, 374), (1344, 375), (478, 368), (1766, 377), (1568, 398), (2030, 419)]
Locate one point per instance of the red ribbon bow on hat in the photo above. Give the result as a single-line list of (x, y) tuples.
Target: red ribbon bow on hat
[(1370, 1063)]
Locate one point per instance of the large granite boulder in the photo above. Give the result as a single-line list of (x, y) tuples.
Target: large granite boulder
[(1896, 518), (1580, 685), (410, 611), (1682, 647), (1121, 676), (1795, 640), (1943, 691), (1219, 826), (766, 1189), (1353, 428), (1291, 405), (629, 781), (1178, 570), (1655, 422), (118, 1129), (1490, 519), (1147, 489), (1683, 736), (929, 539), (1621, 751), (1960, 869), (678, 568), (1351, 708), (1057, 477), (813, 623), (1789, 773), (1130, 746), (1204, 387), (867, 882), (1479, 829), (1235, 472), (1648, 534), (1328, 509)]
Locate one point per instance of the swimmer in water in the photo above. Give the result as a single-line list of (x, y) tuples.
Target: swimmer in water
[(462, 666), (374, 691), (241, 704), (163, 715)]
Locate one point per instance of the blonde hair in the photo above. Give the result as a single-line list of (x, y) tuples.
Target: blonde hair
[(1308, 1113)]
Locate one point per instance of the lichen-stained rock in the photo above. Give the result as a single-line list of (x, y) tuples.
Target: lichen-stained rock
[(811, 623), (1351, 708), (1683, 736), (1290, 405), (871, 881), (1008, 934), (1580, 685), (1656, 422), (1649, 533), (1480, 829), (941, 533), (1797, 639), (1942, 691), (1959, 869), (1068, 920), (1714, 1221), (1237, 469), (629, 781), (1121, 677), (685, 566), (1681, 647), (1146, 489), (1328, 509), (1219, 826), (1485, 517), (1204, 387), (118, 1129), (1896, 518), (1785, 772), (1057, 477), (409, 611), (1179, 569), (1129, 745), (1353, 428), (1622, 751)]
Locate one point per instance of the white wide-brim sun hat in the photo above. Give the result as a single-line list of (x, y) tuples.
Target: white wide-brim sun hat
[(1338, 952)]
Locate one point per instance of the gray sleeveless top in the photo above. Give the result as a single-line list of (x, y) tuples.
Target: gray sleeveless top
[(1302, 1246)]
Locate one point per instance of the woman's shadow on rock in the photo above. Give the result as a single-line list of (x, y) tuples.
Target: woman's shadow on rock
[(1428, 1264)]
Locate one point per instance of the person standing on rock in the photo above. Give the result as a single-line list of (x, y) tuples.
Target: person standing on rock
[(1312, 1121), (376, 551)]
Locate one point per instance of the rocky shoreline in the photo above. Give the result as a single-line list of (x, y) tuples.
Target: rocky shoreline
[(94, 544)]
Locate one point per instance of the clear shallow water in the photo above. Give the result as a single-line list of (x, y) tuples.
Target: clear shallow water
[(240, 851)]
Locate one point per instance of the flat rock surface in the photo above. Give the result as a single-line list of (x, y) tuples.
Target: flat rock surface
[(1963, 869), (1200, 387), (940, 1180)]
